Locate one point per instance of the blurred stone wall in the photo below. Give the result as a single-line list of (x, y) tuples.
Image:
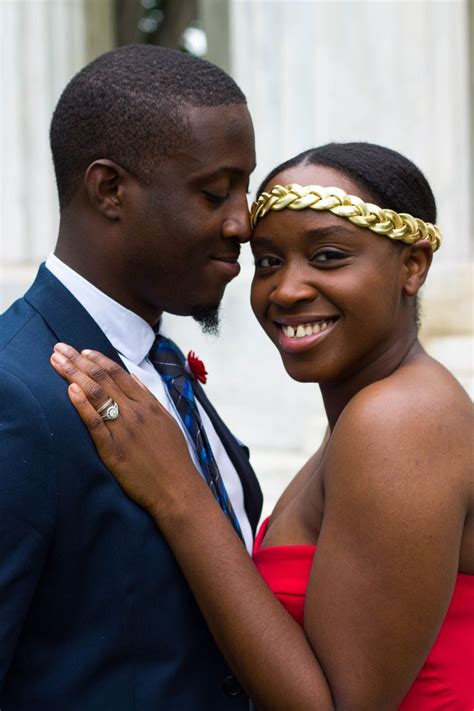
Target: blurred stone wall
[(43, 44), (394, 72)]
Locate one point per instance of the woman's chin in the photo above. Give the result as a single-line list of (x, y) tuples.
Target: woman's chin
[(300, 373)]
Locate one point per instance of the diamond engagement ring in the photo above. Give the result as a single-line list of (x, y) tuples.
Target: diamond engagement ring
[(109, 410)]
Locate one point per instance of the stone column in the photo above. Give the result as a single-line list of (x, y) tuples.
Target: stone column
[(44, 42), (215, 19)]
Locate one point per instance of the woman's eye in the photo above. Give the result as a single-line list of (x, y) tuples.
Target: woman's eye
[(266, 262), (215, 198), (329, 255)]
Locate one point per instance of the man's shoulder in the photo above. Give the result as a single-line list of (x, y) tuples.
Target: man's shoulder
[(13, 321), (27, 379), (25, 338)]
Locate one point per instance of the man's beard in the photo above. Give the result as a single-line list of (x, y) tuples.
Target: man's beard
[(208, 318)]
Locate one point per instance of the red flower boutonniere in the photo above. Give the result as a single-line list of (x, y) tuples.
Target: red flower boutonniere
[(197, 367)]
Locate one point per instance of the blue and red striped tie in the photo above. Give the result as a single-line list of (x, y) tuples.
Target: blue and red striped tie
[(169, 361)]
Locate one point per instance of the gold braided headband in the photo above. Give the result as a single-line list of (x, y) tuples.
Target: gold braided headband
[(398, 226)]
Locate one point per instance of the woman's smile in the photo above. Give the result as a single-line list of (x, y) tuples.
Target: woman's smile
[(295, 336)]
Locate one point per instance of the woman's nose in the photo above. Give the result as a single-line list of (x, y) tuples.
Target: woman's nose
[(291, 287)]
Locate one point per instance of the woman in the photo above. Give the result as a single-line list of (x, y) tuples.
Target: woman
[(368, 547)]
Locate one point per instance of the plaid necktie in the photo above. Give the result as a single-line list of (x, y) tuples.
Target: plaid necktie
[(170, 364)]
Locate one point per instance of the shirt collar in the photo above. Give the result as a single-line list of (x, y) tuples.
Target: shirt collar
[(129, 334)]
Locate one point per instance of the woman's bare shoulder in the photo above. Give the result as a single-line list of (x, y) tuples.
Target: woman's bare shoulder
[(418, 415), (419, 393)]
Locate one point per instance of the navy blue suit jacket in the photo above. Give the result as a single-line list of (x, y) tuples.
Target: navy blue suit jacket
[(95, 614)]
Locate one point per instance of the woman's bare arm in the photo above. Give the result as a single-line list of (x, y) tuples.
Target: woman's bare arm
[(388, 549)]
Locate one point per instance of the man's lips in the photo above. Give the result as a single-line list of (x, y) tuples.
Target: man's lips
[(227, 264), (226, 257)]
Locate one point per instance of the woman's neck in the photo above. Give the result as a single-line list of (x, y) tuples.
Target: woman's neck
[(336, 395)]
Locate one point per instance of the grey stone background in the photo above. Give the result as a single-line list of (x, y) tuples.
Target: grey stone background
[(397, 72)]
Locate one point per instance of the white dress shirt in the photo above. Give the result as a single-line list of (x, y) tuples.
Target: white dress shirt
[(132, 338)]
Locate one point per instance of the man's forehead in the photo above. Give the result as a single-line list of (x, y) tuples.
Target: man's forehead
[(220, 140), (211, 165), (229, 121)]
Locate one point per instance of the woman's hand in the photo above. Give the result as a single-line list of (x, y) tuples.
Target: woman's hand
[(148, 455), (144, 447)]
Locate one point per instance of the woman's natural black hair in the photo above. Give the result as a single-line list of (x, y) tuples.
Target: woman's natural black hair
[(393, 181)]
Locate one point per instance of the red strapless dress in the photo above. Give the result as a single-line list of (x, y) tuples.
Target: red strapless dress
[(446, 680)]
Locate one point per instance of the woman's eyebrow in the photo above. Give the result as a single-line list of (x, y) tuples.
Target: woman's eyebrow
[(330, 230), (261, 241)]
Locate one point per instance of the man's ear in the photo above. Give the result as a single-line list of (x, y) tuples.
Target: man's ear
[(417, 261), (103, 182)]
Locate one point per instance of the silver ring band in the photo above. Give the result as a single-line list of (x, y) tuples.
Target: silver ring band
[(109, 410), (103, 407)]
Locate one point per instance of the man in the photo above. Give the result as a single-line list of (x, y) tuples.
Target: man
[(152, 151)]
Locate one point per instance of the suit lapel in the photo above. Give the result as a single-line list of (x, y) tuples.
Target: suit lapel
[(66, 317)]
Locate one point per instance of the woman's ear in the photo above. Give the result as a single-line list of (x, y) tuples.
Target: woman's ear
[(416, 265), (103, 183)]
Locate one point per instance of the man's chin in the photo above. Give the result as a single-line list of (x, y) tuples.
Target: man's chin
[(208, 317)]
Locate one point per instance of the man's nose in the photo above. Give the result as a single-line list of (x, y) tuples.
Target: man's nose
[(237, 223)]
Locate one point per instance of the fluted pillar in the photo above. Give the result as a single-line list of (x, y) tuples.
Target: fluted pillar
[(44, 42)]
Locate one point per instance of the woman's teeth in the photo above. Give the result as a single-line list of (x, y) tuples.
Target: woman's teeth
[(305, 329)]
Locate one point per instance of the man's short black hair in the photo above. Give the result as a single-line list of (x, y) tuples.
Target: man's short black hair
[(393, 180), (129, 105)]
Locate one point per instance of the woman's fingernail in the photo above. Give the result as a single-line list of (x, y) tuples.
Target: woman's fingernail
[(75, 388), (61, 347), (59, 358), (86, 351)]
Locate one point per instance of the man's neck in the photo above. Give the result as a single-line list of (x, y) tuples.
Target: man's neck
[(98, 271)]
